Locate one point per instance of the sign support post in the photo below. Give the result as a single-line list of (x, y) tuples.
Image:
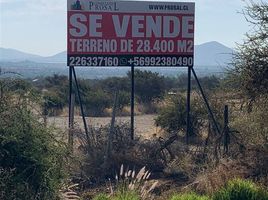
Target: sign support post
[(188, 106), (81, 107), (206, 102), (132, 102), (71, 103)]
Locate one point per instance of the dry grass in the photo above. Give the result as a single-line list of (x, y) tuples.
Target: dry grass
[(206, 177), (68, 193), (242, 161), (215, 178), (96, 164), (127, 182), (139, 182)]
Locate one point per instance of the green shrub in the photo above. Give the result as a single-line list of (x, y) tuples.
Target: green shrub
[(101, 197), (123, 100), (31, 159), (190, 196), (148, 85), (172, 117), (241, 190), (119, 195), (125, 195), (53, 104), (129, 185), (111, 84), (253, 126), (96, 101)]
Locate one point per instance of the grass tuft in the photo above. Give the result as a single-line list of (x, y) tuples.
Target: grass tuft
[(241, 189), (189, 196), (101, 196)]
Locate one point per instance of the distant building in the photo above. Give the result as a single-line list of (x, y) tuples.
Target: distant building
[(172, 93)]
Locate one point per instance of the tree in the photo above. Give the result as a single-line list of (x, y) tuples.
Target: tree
[(96, 102), (250, 72), (53, 104), (148, 85), (111, 84), (172, 117)]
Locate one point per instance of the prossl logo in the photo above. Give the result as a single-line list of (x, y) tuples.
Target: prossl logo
[(77, 5), (103, 6)]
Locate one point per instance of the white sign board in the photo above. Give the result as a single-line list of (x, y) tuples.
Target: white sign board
[(127, 33)]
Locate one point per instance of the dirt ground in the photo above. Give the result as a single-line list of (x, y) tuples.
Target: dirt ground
[(144, 124)]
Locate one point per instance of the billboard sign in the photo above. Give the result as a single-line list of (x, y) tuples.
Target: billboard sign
[(127, 33)]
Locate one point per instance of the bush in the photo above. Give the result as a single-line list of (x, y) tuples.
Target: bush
[(111, 84), (125, 195), (172, 117), (101, 197), (31, 164), (96, 101), (252, 80), (96, 167), (253, 126), (53, 104), (123, 100), (241, 189), (57, 84), (93, 161), (130, 185), (148, 85), (190, 196), (120, 195)]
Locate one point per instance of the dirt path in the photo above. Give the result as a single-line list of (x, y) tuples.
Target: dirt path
[(144, 124)]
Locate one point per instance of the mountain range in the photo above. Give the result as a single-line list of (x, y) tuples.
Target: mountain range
[(13, 55), (207, 54)]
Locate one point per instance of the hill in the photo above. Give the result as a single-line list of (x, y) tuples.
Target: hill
[(13, 55), (212, 54), (207, 54)]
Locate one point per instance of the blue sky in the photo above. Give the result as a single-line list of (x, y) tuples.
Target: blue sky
[(39, 26)]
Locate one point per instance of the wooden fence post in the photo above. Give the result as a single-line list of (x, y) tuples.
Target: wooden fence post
[(226, 138)]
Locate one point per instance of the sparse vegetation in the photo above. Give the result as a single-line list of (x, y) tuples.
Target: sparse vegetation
[(172, 116), (250, 63), (240, 189), (31, 157), (190, 196), (230, 164)]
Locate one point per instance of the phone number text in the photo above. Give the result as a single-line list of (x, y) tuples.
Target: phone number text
[(146, 61)]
